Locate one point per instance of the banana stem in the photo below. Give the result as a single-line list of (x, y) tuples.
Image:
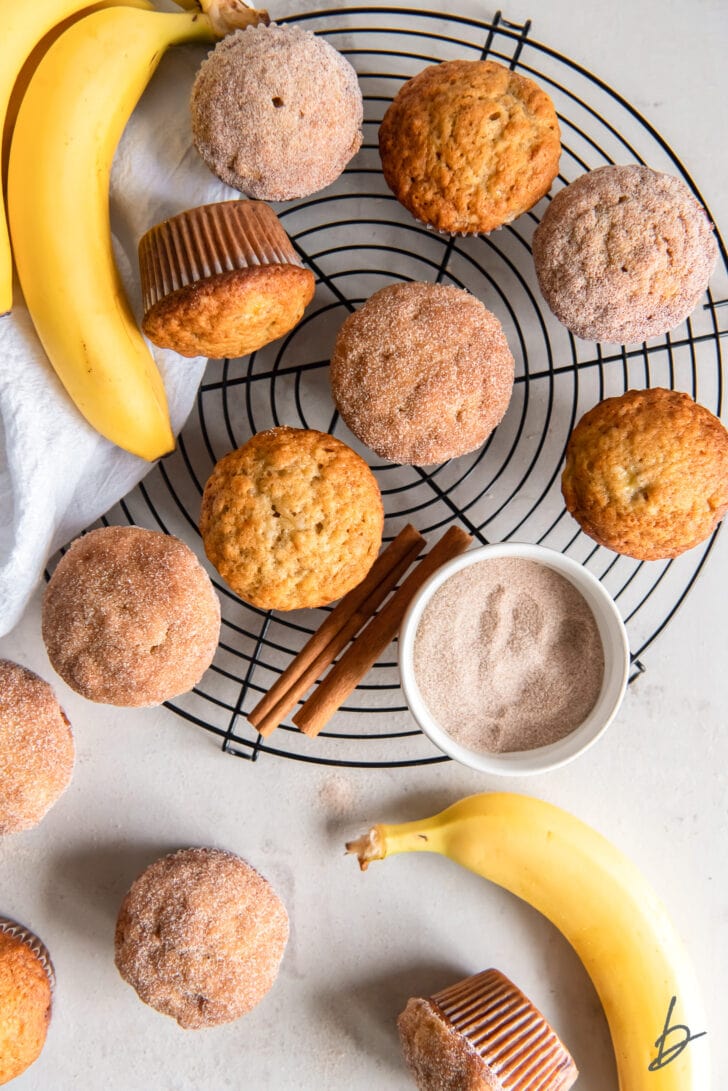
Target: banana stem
[(227, 15), (381, 841)]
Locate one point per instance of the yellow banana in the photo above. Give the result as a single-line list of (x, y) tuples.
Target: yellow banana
[(69, 123), (604, 907), (25, 28)]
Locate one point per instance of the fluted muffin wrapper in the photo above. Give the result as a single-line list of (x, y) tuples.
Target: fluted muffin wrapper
[(39, 949), (207, 241), (507, 1031)]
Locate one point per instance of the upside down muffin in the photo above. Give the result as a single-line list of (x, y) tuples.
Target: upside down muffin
[(467, 146), (482, 1034), (221, 280), (422, 373), (646, 473), (292, 519)]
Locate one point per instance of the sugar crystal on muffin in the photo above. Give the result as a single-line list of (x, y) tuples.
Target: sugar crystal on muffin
[(623, 254), (36, 748), (200, 936), (276, 112), (130, 617), (422, 373)]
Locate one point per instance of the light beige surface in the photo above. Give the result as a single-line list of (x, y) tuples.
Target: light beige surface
[(147, 783)]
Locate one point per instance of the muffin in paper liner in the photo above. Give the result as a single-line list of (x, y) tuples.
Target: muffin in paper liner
[(483, 1034), (27, 982), (221, 280), (39, 949)]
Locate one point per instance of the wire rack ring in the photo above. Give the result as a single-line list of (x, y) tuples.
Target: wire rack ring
[(356, 238)]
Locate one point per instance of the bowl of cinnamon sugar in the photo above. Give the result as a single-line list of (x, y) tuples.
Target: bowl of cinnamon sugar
[(513, 658)]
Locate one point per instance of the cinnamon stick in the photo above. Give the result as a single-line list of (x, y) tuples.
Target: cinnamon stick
[(341, 625), (315, 713)]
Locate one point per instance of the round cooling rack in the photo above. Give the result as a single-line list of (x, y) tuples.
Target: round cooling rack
[(357, 238)]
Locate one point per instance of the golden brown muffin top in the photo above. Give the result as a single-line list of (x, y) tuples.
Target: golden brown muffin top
[(422, 373), (200, 936), (467, 146), (291, 519), (130, 617), (646, 473), (25, 1006), (36, 748)]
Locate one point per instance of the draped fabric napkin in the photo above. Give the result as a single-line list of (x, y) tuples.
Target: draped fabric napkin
[(57, 475)]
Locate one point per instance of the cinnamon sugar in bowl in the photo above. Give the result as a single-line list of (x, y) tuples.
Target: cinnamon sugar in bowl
[(513, 659)]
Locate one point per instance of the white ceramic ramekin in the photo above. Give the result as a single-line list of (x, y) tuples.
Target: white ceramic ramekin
[(616, 665)]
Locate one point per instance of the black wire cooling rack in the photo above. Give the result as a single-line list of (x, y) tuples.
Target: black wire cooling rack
[(356, 238)]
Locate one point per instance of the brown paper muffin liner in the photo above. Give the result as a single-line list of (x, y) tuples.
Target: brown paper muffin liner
[(207, 241), (39, 949), (507, 1031)]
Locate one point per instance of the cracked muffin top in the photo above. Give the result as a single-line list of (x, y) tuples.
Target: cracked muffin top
[(647, 473), (623, 254), (292, 519), (130, 617), (467, 146)]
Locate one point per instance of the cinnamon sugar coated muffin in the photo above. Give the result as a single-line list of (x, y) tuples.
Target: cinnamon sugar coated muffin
[(291, 519), (646, 473), (221, 280), (276, 112), (467, 146), (483, 1034), (623, 253), (200, 936), (26, 992), (130, 617), (422, 373), (36, 748)]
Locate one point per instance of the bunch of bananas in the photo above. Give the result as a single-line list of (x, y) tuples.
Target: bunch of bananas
[(79, 68), (603, 906)]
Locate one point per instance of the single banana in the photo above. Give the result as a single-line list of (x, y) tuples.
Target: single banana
[(604, 907), (68, 126), (26, 27)]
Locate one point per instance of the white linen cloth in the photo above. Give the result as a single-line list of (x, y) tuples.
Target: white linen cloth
[(57, 475)]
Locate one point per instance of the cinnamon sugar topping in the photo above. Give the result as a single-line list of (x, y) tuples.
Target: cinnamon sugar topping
[(200, 936)]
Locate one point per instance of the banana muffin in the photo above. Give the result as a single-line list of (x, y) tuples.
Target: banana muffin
[(482, 1034), (200, 937), (647, 473), (422, 373), (276, 112), (36, 748), (26, 992), (623, 253), (291, 519), (467, 146), (130, 617), (221, 280)]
